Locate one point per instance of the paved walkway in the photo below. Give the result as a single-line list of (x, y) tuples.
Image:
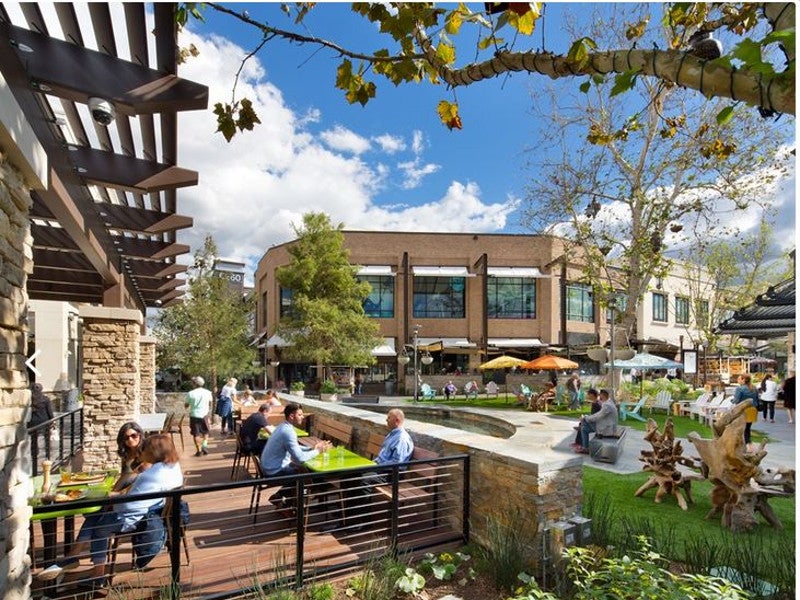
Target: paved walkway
[(550, 437)]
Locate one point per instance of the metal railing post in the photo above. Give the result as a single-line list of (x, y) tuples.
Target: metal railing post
[(175, 549), (465, 500), (394, 509), (300, 503)]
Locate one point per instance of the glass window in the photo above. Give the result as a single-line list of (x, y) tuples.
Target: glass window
[(621, 304), (380, 302), (511, 297), (286, 302), (681, 310), (264, 310), (580, 302), (659, 307), (701, 313), (439, 297)]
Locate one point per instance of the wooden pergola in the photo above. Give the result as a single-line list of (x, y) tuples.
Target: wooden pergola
[(104, 229)]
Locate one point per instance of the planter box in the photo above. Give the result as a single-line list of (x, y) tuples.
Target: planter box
[(300, 393), (329, 397)]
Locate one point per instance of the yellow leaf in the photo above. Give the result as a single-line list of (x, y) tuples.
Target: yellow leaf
[(453, 22), (524, 23), (445, 53), (448, 113)]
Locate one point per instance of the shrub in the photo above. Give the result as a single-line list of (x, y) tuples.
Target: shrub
[(327, 387), (509, 536), (298, 386)]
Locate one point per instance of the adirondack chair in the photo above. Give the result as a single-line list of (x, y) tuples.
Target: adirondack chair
[(712, 407), (697, 408), (471, 390), (663, 401), (426, 392), (491, 389), (720, 410), (635, 412)]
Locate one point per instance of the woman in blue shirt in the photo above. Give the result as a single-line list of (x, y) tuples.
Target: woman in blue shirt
[(746, 392)]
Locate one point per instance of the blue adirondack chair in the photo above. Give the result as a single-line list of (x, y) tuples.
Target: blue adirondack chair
[(625, 410), (426, 392)]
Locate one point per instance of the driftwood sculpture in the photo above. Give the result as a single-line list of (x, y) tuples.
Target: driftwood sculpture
[(662, 462), (741, 487)]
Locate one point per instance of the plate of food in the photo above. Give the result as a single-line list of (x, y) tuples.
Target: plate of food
[(70, 496), (83, 478)]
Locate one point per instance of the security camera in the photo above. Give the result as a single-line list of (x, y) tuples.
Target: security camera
[(103, 111)]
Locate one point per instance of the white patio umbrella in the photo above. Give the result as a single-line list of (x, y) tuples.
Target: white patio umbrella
[(644, 361)]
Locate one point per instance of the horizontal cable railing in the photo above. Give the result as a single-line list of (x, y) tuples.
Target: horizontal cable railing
[(56, 440), (332, 523)]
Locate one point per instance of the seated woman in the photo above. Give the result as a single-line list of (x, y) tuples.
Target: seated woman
[(164, 474), (541, 401), (129, 448), (271, 398), (247, 399)]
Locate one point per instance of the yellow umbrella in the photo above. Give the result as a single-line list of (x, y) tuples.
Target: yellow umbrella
[(502, 362), (549, 362)]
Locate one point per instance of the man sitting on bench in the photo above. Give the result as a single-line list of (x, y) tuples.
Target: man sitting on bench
[(397, 446), (603, 422)]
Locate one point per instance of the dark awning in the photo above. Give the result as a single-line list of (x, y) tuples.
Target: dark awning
[(771, 315)]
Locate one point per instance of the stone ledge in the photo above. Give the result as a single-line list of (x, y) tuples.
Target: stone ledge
[(110, 313)]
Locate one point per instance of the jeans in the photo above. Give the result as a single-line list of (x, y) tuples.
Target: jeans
[(97, 529), (587, 427), (769, 406)]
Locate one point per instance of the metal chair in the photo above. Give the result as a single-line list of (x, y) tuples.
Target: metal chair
[(177, 429)]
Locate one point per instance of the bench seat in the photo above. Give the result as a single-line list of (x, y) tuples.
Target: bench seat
[(604, 448)]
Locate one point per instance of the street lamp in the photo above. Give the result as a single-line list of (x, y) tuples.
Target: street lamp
[(403, 359), (612, 306), (702, 349), (416, 363)]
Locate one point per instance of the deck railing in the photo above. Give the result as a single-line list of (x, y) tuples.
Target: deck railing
[(334, 524), (56, 440)]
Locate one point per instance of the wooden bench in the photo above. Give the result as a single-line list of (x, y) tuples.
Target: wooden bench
[(607, 448), (332, 430), (417, 497)]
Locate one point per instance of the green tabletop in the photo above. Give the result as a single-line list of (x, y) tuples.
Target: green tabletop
[(61, 509), (264, 434), (337, 461)]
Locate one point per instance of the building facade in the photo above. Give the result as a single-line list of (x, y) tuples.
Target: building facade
[(460, 297)]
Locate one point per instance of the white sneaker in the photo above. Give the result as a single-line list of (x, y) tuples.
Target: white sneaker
[(56, 569)]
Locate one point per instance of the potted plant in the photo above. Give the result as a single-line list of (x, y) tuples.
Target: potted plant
[(298, 388), (327, 390), (624, 353), (597, 353)]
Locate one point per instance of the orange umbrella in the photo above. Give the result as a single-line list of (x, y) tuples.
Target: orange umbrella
[(549, 362)]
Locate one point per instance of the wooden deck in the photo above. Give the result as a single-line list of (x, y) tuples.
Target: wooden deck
[(229, 552)]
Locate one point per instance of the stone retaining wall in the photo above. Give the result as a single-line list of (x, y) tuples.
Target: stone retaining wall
[(16, 263)]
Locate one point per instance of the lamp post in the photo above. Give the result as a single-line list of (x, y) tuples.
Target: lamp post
[(416, 363), (612, 306), (702, 349)]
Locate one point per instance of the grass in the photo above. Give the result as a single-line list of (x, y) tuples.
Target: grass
[(667, 518)]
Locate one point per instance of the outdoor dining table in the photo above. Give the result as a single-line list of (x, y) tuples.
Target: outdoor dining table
[(97, 488), (264, 433), (152, 422), (335, 460)]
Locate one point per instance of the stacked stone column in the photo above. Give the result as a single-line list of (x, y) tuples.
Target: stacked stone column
[(110, 377)]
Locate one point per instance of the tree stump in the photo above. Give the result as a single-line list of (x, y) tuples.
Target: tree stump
[(741, 487), (662, 462)]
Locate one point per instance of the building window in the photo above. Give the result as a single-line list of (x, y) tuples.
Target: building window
[(701, 313), (286, 302), (681, 311), (264, 310), (511, 297), (621, 304), (659, 307), (439, 297), (580, 302), (380, 302)]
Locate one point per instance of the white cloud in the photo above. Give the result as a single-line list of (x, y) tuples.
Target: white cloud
[(253, 189), (390, 144), (415, 170), (341, 138)]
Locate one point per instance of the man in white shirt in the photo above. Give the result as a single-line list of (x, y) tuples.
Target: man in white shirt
[(198, 401)]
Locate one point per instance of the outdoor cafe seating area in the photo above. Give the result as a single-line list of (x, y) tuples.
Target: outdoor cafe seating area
[(237, 539)]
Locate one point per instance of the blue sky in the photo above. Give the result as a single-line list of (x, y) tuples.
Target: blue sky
[(390, 165)]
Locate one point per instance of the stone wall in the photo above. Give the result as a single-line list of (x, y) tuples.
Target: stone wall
[(147, 373), (111, 383), (15, 264)]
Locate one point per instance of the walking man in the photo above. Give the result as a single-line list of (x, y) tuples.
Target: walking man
[(198, 401)]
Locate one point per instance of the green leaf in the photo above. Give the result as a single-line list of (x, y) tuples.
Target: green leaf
[(578, 54), (624, 82), (584, 87), (344, 75), (748, 51), (725, 115)]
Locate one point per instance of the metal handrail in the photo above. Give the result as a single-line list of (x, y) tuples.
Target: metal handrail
[(64, 454), (301, 482)]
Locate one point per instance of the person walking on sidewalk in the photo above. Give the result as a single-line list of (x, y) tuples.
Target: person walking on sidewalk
[(198, 401), (768, 396)]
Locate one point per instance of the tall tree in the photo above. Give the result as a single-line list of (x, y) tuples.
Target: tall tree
[(459, 46), (728, 274), (326, 324), (652, 162), (208, 333)]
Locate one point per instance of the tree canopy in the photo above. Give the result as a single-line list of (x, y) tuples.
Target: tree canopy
[(326, 323), (459, 45), (208, 332)]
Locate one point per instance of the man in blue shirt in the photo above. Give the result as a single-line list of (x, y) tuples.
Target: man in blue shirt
[(397, 446), (283, 455)]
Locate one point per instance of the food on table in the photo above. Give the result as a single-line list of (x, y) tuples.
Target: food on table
[(70, 495)]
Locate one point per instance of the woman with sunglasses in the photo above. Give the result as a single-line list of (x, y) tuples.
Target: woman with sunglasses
[(129, 448), (162, 474)]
